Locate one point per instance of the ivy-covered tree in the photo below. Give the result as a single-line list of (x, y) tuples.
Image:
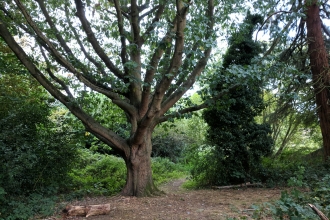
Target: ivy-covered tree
[(237, 141)]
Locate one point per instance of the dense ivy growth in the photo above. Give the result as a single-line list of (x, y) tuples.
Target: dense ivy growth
[(236, 142)]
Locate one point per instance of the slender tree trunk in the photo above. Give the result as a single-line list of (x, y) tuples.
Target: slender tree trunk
[(320, 70), (139, 180)]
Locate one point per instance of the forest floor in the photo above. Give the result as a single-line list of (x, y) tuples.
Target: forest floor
[(179, 203)]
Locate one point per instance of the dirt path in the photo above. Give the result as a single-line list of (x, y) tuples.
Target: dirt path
[(179, 203)]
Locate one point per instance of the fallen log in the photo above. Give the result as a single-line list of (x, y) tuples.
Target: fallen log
[(248, 184), (318, 212), (87, 211)]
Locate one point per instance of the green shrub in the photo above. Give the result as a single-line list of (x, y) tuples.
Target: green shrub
[(277, 171), (294, 204), (164, 170), (236, 141), (291, 205), (35, 159), (168, 146), (321, 193), (98, 174)]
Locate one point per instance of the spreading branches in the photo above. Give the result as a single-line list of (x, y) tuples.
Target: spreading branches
[(176, 59), (90, 123), (268, 18), (53, 27), (123, 53), (153, 65), (94, 42), (144, 78), (210, 102), (76, 35), (172, 99), (160, 90)]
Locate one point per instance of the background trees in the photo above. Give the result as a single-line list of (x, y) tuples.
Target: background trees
[(290, 34)]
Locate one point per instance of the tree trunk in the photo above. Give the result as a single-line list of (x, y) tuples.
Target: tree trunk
[(320, 70), (139, 180)]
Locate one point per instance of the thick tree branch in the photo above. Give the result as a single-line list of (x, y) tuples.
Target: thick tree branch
[(176, 60), (123, 53), (93, 126), (135, 23), (204, 105), (148, 12), (175, 63), (172, 99), (167, 78), (94, 42), (183, 76), (153, 65), (56, 79), (151, 27)]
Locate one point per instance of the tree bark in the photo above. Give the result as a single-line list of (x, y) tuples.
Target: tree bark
[(318, 212), (139, 180), (320, 70)]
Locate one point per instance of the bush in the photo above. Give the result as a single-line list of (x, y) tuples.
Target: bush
[(277, 171), (236, 142), (168, 146), (98, 174), (294, 204), (34, 162), (164, 170)]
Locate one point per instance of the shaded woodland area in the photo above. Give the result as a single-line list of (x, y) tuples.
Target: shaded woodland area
[(119, 97)]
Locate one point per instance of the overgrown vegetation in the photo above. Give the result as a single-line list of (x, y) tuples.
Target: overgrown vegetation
[(35, 156), (236, 143), (48, 156), (309, 185)]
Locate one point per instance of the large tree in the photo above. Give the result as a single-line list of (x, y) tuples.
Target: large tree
[(299, 49), (319, 63), (142, 55)]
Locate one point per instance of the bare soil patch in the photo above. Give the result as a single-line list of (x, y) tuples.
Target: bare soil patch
[(179, 203)]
